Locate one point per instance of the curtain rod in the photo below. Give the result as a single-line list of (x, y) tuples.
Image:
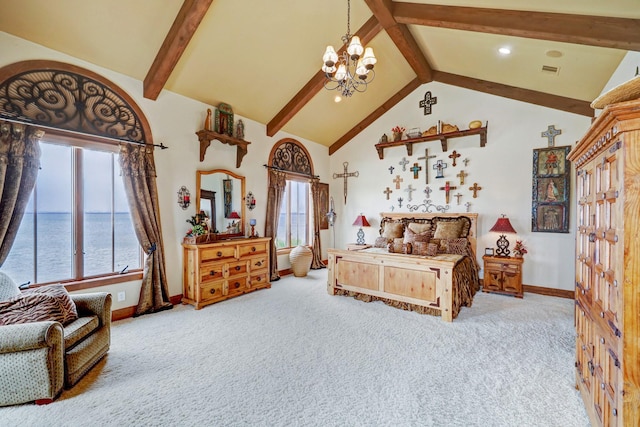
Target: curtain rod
[(21, 122), (292, 172)]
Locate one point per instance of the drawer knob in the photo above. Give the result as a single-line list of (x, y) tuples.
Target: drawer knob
[(238, 268), (592, 237), (212, 273), (212, 291), (601, 340), (253, 249), (259, 264), (615, 412), (258, 279), (219, 254), (236, 285)]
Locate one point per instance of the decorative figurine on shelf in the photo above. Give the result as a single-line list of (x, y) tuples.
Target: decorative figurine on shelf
[(397, 132), (240, 129), (224, 119), (207, 121), (384, 138)]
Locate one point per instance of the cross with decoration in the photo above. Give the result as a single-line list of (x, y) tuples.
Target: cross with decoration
[(461, 175), (404, 162), (391, 168), (457, 196), (468, 206), (387, 192), (427, 102), (439, 166), (475, 188), (426, 158), (397, 181), (454, 156), (447, 188), (415, 169), (551, 134), (345, 175), (409, 190), (427, 190), (399, 202)]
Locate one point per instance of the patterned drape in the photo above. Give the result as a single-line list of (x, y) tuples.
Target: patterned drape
[(139, 176), (316, 262), (19, 164), (277, 185)]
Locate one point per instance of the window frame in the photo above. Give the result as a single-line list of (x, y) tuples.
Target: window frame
[(309, 209)]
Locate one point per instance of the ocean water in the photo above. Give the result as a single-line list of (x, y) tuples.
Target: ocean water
[(53, 258)]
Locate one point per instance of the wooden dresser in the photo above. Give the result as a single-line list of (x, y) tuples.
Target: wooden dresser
[(214, 272), (607, 313)]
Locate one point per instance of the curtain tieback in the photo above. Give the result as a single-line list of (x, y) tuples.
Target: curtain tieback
[(151, 249)]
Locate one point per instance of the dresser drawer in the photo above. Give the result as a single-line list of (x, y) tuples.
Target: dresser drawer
[(237, 284), (258, 263), (212, 254), (258, 279), (237, 268), (211, 290), (212, 271), (251, 249), (501, 266)]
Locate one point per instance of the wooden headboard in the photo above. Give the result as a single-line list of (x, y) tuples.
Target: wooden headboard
[(473, 230)]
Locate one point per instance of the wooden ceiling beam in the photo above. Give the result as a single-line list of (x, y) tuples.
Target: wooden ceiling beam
[(570, 105), (402, 38), (174, 45), (388, 104), (367, 32), (603, 31)]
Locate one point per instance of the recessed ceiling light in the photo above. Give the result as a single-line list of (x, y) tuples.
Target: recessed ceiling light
[(337, 99), (554, 53), (504, 50)]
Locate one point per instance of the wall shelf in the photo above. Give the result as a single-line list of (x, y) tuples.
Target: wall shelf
[(206, 136), (442, 137)]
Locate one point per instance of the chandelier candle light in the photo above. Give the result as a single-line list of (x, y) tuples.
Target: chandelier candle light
[(361, 221), (503, 226), (350, 71)]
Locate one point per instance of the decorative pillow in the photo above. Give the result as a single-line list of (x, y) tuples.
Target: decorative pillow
[(8, 288), (457, 246), (381, 242), (411, 237), (38, 304), (419, 227), (464, 220), (448, 230), (432, 249), (398, 244), (392, 230)]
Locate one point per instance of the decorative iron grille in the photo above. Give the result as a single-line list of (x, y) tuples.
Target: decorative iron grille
[(292, 158), (69, 101)]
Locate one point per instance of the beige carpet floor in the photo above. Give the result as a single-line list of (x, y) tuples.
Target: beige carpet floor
[(294, 356)]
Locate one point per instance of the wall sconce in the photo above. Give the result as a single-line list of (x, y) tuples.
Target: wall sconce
[(184, 198), (250, 201), (252, 223), (361, 221), (503, 226)]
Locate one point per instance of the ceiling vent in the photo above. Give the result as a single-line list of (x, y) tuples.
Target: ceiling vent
[(548, 69)]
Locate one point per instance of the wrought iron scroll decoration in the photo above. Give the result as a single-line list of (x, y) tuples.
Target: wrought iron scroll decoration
[(70, 101), (427, 206), (290, 157)]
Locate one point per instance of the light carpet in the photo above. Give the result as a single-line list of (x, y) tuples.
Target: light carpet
[(293, 355)]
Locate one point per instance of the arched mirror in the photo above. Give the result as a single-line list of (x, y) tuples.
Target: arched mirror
[(220, 196)]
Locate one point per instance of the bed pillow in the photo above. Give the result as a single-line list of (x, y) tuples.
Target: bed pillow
[(393, 230), (381, 242), (8, 288), (425, 248), (38, 304), (412, 237), (457, 246), (419, 227), (448, 230)]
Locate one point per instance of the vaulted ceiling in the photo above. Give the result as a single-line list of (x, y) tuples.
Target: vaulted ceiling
[(264, 57)]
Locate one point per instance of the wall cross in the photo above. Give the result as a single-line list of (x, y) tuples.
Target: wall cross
[(415, 169), (551, 134), (397, 181), (447, 188), (468, 206), (426, 158), (457, 196), (466, 161), (404, 162), (387, 192), (427, 190), (475, 188), (345, 175), (454, 156), (427, 102), (461, 175), (391, 168), (439, 166), (409, 190), (399, 202)]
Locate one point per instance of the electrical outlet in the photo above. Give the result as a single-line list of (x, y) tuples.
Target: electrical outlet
[(121, 296)]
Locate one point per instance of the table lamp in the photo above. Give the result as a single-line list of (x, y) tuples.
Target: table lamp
[(361, 221), (503, 226)]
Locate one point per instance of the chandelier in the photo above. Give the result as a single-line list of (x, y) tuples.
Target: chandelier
[(350, 71)]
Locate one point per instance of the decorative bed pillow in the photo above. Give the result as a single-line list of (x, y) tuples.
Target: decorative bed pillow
[(457, 246), (419, 227), (464, 221), (398, 245), (432, 249), (411, 237), (8, 288), (381, 242), (425, 249), (392, 230), (38, 304), (448, 230)]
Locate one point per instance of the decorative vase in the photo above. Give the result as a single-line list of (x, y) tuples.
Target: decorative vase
[(300, 258), (397, 136)]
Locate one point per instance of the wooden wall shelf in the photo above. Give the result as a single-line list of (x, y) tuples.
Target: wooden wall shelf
[(206, 136), (442, 137)]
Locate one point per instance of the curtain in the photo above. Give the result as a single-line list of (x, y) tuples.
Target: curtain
[(316, 262), (139, 176), (19, 164), (275, 192)]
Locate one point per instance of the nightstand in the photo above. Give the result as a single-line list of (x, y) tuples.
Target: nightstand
[(503, 275), (356, 247)]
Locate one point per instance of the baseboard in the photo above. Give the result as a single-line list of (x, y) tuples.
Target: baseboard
[(562, 293), (125, 313)]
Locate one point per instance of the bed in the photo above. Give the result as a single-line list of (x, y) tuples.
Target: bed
[(424, 262)]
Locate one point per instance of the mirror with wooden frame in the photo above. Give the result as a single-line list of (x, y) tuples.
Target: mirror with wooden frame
[(220, 195)]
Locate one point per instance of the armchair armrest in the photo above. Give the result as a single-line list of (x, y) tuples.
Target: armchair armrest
[(30, 336), (98, 303)]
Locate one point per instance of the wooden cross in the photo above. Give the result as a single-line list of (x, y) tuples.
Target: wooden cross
[(409, 190), (398, 180), (399, 202), (387, 192), (426, 158), (427, 102), (475, 188), (345, 175), (551, 134), (404, 162), (415, 169), (439, 166), (447, 188), (461, 175), (466, 161), (457, 196), (454, 156), (468, 206), (427, 191), (391, 168)]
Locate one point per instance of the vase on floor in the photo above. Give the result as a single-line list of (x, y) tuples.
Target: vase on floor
[(300, 258)]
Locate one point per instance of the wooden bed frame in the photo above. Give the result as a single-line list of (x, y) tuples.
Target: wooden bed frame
[(412, 279)]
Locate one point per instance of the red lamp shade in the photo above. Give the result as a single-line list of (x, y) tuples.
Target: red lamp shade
[(234, 215), (361, 221), (503, 225)]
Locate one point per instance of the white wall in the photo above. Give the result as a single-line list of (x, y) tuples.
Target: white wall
[(503, 168), (174, 119)]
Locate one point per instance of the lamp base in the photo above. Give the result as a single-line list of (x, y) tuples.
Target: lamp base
[(503, 246), (360, 235)]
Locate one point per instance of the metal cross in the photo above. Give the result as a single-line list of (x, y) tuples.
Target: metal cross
[(427, 190), (447, 188), (399, 202), (461, 175), (387, 192), (427, 102), (426, 158), (415, 169), (345, 175), (468, 206), (551, 134), (409, 190), (466, 161), (439, 166), (404, 162), (457, 196), (475, 188), (391, 168), (454, 156), (398, 180)]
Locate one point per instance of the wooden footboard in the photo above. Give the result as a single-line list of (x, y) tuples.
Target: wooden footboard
[(417, 280)]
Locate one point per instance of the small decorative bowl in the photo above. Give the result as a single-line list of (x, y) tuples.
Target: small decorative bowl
[(475, 124)]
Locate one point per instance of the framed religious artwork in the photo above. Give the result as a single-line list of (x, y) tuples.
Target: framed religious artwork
[(224, 119), (551, 190), (323, 204)]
